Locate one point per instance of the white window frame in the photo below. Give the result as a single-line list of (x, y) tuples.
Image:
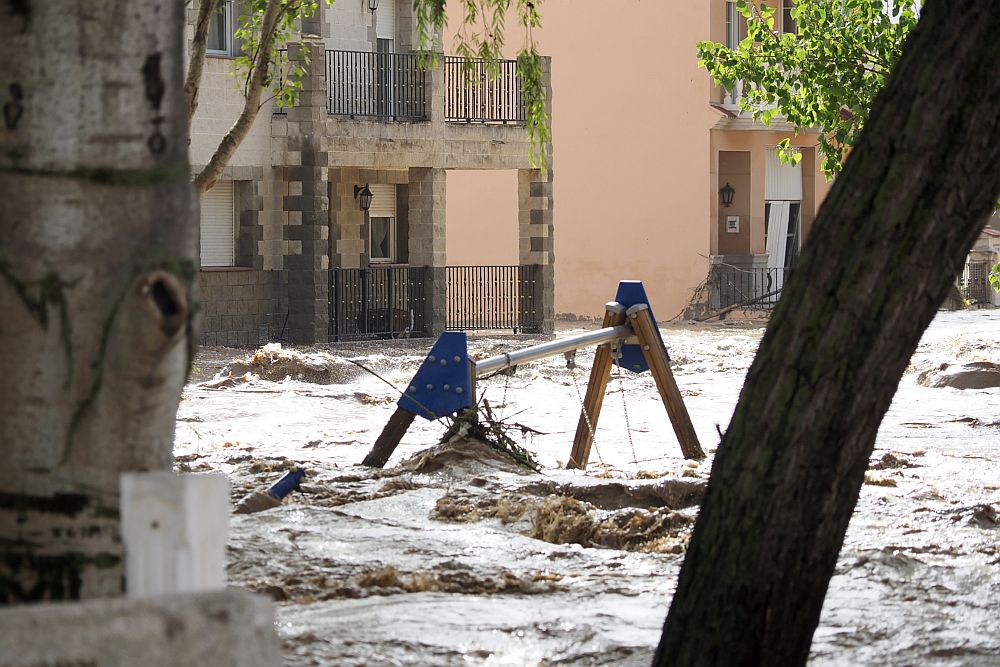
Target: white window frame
[(229, 27), (391, 259), (383, 210), (732, 25)]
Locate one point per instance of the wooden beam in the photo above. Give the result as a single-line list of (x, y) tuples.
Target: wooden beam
[(386, 444), (659, 365), (600, 374)]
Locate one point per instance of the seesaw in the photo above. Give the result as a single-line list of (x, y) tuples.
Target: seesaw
[(445, 383)]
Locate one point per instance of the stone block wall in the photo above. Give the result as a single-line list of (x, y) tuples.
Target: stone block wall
[(427, 195), (241, 307), (536, 230)]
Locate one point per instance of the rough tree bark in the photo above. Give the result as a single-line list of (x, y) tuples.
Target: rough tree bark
[(97, 248), (887, 244)]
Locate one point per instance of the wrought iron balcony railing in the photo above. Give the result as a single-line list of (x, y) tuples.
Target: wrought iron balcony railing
[(473, 96), (376, 85)]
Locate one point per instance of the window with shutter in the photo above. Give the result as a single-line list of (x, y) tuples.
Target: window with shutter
[(382, 224), (217, 225)]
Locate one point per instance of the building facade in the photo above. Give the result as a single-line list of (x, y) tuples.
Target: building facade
[(646, 144), (765, 208), (287, 250)]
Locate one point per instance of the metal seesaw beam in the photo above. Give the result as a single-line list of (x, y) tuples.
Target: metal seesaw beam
[(552, 348)]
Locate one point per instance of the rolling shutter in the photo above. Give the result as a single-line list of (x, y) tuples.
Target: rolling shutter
[(217, 230), (385, 26), (383, 201), (782, 182)]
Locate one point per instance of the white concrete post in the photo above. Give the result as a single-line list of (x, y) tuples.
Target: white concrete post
[(174, 528)]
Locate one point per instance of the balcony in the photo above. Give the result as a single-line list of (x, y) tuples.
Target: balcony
[(393, 87), (390, 86), (473, 96), (731, 98), (383, 111)]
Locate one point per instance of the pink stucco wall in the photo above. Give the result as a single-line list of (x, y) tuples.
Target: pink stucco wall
[(632, 169)]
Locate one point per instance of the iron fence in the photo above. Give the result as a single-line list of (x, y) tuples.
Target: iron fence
[(376, 85), (491, 297), (756, 288), (376, 302), (975, 282), (474, 95)]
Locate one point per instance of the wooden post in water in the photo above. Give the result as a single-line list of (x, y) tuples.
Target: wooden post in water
[(387, 441), (659, 365), (600, 374)]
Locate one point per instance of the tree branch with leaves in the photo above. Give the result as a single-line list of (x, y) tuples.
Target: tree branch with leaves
[(824, 76), (264, 27), (482, 35)]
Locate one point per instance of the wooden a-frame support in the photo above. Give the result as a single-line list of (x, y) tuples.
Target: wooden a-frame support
[(655, 354), (643, 328)]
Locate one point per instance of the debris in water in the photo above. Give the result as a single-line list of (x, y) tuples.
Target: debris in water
[(982, 516), (258, 501), (465, 507), (274, 364), (878, 480), (891, 462), (446, 578), (276, 464), (562, 520), (973, 375), (483, 426), (228, 380), (468, 453)]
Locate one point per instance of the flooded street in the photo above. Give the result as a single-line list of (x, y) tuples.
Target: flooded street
[(456, 556)]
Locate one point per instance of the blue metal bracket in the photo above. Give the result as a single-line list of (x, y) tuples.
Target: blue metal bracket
[(442, 385), (630, 293)]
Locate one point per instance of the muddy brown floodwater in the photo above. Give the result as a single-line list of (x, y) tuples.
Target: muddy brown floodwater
[(453, 555)]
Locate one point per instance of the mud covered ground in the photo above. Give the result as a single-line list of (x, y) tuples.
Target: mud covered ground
[(453, 555)]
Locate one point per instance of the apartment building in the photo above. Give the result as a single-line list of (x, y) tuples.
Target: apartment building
[(648, 148), (329, 222), (765, 208)]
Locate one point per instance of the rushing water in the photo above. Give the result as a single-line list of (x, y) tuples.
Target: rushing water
[(464, 559)]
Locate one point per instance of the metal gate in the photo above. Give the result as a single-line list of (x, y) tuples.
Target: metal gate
[(492, 297), (757, 288), (376, 302), (976, 282)]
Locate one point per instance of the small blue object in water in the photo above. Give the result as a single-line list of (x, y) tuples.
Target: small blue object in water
[(290, 482)]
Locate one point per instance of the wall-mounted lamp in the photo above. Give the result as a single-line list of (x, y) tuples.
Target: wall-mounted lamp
[(726, 194), (372, 5), (366, 196)]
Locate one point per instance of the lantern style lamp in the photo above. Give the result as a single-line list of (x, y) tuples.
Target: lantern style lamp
[(726, 194), (366, 196)]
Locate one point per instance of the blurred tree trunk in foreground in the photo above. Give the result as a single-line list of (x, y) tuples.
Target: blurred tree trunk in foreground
[(97, 266)]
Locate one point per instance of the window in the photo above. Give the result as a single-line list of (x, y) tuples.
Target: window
[(220, 30), (218, 230), (382, 224), (788, 24), (732, 25)]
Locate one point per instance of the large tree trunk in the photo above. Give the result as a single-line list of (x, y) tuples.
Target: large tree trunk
[(97, 263), (890, 238)]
